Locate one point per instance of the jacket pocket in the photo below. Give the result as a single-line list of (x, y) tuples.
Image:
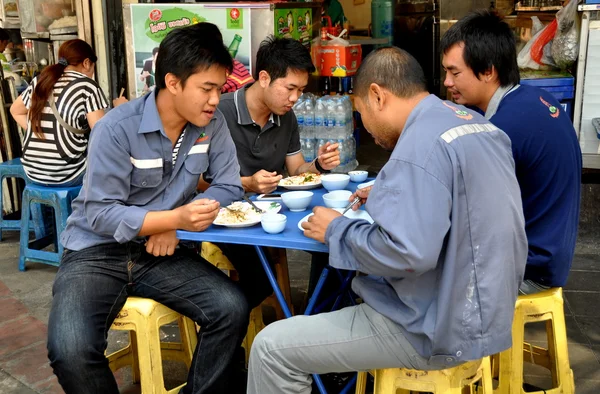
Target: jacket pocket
[(146, 177)]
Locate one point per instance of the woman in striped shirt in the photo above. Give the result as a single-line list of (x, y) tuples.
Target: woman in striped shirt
[(56, 139)]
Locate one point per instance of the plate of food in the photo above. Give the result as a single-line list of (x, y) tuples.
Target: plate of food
[(304, 181), (359, 214), (242, 214)]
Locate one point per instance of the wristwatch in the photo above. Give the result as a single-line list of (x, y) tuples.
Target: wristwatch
[(319, 168)]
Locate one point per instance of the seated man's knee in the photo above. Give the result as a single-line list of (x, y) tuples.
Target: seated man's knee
[(232, 307), (70, 349)]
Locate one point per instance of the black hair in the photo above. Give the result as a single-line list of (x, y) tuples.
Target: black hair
[(189, 50), (278, 55), (391, 68), (154, 51), (4, 36), (488, 41)]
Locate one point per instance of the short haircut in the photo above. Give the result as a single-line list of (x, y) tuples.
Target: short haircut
[(4, 36), (278, 55), (186, 51), (488, 41), (391, 68)]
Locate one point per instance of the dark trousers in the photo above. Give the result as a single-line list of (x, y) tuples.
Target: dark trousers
[(92, 286)]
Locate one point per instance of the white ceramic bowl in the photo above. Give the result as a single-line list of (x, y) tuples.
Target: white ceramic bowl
[(297, 201), (273, 223), (337, 198), (358, 176), (335, 181)]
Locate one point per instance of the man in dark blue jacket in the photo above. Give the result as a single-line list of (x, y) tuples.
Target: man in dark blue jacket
[(480, 60)]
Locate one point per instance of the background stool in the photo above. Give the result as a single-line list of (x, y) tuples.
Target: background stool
[(142, 317), (544, 306), (213, 255), (58, 198), (14, 169), (446, 381)]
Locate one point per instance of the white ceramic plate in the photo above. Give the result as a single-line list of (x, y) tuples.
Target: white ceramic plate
[(270, 207), (360, 214), (306, 186), (366, 184)]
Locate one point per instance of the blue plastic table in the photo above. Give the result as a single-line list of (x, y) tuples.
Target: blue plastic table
[(290, 238)]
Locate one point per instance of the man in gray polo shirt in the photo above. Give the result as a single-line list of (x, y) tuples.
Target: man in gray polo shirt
[(265, 132), (262, 123)]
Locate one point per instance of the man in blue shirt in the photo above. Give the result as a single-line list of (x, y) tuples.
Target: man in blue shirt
[(480, 60), (145, 160), (444, 257)]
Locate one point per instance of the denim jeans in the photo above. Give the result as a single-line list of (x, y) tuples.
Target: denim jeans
[(92, 286)]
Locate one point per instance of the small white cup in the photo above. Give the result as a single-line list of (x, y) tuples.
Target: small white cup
[(273, 223)]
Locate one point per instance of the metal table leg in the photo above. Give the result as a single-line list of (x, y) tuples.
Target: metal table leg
[(282, 302)]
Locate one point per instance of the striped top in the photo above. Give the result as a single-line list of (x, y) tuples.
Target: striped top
[(177, 146), (61, 156), (238, 78)]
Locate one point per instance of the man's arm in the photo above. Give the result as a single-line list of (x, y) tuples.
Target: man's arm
[(223, 168), (411, 209), (328, 158), (107, 190), (262, 181)]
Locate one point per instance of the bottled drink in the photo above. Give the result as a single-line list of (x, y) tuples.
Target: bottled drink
[(340, 90), (309, 151), (326, 87), (235, 45)]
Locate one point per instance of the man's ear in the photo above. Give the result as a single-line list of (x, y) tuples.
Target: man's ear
[(490, 75), (376, 97), (172, 83), (264, 79)]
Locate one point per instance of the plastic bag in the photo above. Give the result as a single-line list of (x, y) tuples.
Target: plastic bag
[(565, 47), (538, 52), (527, 58)]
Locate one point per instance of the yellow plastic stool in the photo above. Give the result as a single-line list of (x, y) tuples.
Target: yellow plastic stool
[(544, 306), (142, 317), (446, 381)]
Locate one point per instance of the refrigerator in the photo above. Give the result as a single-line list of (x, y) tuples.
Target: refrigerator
[(243, 26)]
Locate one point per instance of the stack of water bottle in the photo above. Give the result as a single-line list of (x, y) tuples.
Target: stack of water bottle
[(327, 119)]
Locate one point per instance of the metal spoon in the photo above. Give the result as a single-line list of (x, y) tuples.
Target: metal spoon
[(353, 203), (257, 209)]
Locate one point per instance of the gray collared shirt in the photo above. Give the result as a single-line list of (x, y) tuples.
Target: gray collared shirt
[(130, 172), (447, 251), (259, 148)]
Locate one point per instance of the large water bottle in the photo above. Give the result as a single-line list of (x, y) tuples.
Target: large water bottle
[(351, 146), (309, 150), (340, 134), (321, 134), (382, 20), (330, 114), (298, 109)]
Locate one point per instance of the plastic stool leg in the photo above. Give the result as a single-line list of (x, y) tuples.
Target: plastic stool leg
[(361, 383), (24, 238), (149, 357), (37, 217), (62, 214)]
